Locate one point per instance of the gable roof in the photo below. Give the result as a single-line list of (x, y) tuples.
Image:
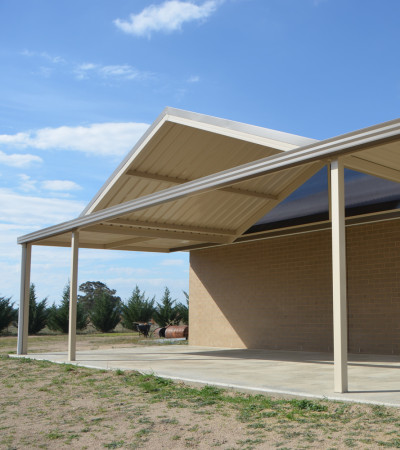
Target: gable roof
[(195, 180), (181, 146)]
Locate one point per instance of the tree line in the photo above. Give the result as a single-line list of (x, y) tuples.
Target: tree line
[(100, 306)]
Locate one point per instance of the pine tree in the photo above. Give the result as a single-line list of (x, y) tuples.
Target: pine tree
[(138, 309), (106, 313), (58, 319), (166, 313), (38, 312), (182, 310), (7, 313)]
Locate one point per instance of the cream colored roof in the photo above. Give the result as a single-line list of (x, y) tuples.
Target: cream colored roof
[(194, 179), (182, 146)]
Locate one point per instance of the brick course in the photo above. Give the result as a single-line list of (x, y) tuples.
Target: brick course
[(277, 293)]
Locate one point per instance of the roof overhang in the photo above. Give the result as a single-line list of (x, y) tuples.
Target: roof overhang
[(219, 207), (181, 146)]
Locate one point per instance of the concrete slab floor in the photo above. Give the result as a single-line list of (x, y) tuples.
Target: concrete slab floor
[(372, 378)]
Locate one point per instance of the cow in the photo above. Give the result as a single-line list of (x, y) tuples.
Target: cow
[(142, 328)]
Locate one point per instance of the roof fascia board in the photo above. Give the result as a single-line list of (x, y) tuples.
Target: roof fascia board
[(249, 133), (241, 127), (325, 150), (268, 139), (105, 247)]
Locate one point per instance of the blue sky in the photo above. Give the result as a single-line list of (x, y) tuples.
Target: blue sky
[(81, 81)]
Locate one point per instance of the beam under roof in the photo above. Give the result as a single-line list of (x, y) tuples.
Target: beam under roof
[(170, 226), (177, 235), (325, 150), (125, 242), (154, 176), (360, 164)]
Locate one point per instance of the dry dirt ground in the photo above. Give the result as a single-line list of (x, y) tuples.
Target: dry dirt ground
[(45, 405), (84, 341)]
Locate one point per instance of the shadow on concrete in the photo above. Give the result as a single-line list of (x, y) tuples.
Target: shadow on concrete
[(378, 361), (373, 392)]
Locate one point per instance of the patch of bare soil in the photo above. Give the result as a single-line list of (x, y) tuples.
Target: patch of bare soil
[(45, 405), (59, 342)]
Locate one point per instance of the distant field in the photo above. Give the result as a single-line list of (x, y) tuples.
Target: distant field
[(85, 341), (46, 405)]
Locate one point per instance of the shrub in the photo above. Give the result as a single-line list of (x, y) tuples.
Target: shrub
[(137, 309), (7, 313), (58, 318), (105, 313), (38, 312)]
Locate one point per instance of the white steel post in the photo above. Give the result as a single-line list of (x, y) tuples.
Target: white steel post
[(329, 192), (23, 315), (339, 277), (73, 291)]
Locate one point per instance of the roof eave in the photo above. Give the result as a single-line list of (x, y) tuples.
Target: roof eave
[(251, 133), (325, 150)]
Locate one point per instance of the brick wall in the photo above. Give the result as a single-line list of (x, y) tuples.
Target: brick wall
[(277, 293)]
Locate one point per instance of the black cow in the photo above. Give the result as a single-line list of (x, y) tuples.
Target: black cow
[(142, 328)]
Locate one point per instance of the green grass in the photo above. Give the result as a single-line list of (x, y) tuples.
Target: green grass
[(249, 408), (128, 396)]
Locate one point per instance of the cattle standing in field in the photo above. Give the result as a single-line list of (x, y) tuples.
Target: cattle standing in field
[(142, 328)]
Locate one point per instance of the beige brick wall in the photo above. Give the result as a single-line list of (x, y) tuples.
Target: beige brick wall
[(277, 293)]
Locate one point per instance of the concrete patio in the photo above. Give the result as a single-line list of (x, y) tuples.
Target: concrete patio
[(372, 378)]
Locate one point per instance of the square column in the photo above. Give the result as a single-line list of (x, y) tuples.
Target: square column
[(339, 276), (73, 292), (23, 314)]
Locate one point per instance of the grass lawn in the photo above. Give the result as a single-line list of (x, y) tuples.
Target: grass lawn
[(46, 405)]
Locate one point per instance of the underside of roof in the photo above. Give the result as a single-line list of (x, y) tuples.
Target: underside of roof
[(194, 180)]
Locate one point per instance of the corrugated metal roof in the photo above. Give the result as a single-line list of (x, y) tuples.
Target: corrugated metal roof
[(194, 179), (185, 146)]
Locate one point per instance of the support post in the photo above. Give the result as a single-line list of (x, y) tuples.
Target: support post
[(339, 276), (73, 292), (329, 192), (23, 315)]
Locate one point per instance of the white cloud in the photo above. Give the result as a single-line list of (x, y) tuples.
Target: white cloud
[(172, 262), (36, 211), (15, 159), (126, 272), (27, 183), (193, 79), (88, 69), (119, 72), (60, 185), (124, 71), (44, 55), (168, 16), (45, 72), (114, 139)]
